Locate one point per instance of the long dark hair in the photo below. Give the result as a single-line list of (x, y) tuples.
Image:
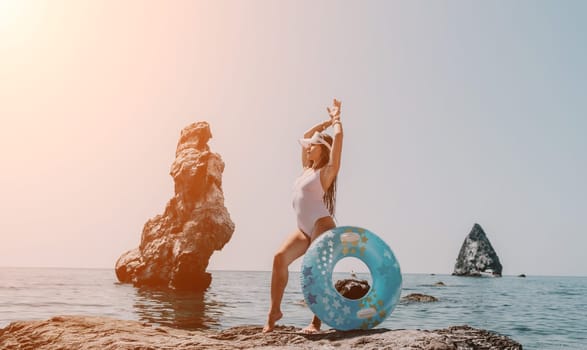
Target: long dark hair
[(329, 197)]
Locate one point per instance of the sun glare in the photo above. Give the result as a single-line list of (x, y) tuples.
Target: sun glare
[(10, 12), (18, 18)]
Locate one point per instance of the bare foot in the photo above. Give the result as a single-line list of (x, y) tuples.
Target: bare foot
[(271, 319), (311, 329)]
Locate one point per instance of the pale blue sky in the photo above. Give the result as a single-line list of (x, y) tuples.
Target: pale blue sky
[(455, 112)]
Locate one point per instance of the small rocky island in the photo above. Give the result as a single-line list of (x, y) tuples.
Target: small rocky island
[(477, 256), (176, 246)]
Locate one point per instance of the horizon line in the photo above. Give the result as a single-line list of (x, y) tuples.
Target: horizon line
[(233, 270)]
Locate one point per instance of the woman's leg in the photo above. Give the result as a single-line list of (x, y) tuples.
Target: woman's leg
[(294, 246), (322, 225)]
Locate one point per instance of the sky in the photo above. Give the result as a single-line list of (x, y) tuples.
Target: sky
[(454, 113)]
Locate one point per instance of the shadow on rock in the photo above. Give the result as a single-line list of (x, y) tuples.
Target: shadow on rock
[(287, 335), (337, 335)]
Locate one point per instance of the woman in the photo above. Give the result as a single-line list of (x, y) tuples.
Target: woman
[(314, 201)]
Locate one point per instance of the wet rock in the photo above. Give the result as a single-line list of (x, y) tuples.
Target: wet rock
[(419, 298), (439, 284), (176, 246), (85, 333), (522, 275), (352, 288), (477, 257)]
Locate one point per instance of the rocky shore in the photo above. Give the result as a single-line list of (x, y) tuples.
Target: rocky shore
[(85, 332)]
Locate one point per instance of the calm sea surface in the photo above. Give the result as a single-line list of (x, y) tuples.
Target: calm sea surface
[(539, 312)]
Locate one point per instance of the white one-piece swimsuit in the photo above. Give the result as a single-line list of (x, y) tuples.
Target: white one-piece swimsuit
[(308, 201)]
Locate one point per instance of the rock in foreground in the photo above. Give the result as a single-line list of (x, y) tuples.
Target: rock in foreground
[(85, 333), (352, 288), (477, 256), (176, 246)]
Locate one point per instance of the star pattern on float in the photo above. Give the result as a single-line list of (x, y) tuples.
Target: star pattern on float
[(384, 268), (309, 282), (324, 255), (317, 273), (346, 309)]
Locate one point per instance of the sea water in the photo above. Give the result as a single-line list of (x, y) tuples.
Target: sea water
[(539, 312)]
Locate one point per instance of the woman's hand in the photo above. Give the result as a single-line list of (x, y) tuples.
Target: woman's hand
[(334, 110)]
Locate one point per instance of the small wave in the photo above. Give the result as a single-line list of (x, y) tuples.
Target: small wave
[(522, 329), (567, 293)]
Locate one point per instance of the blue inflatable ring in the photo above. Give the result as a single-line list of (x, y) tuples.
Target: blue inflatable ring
[(326, 302)]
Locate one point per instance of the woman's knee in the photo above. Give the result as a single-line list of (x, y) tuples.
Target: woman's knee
[(280, 259), (294, 247)]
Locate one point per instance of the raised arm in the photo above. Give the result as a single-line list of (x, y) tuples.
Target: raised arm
[(336, 152), (331, 170)]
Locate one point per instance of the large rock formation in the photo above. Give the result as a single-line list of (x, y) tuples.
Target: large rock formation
[(477, 256), (176, 245)]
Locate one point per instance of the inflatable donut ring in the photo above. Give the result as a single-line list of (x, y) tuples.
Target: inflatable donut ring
[(326, 302)]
